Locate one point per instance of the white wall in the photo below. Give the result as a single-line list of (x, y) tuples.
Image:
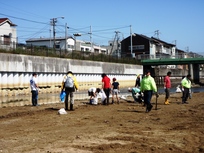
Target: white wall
[(15, 69), (6, 29)]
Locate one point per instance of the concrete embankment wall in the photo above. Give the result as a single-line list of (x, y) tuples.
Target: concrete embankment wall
[(16, 71)]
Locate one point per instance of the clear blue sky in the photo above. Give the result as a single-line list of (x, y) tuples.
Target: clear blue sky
[(180, 21)]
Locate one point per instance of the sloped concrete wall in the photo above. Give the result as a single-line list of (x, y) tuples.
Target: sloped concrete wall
[(25, 63), (16, 71)]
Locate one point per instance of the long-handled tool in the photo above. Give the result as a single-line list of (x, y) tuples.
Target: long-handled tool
[(157, 95)]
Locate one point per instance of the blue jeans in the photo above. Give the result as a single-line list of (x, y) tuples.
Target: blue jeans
[(34, 97), (148, 97)]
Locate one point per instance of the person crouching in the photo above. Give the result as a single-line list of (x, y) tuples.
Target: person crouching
[(93, 93)]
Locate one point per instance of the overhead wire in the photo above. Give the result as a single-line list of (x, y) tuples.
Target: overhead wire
[(71, 30)]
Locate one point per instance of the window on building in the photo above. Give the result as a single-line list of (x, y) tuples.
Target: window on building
[(7, 40), (57, 46)]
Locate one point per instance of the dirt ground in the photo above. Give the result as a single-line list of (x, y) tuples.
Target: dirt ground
[(117, 128)]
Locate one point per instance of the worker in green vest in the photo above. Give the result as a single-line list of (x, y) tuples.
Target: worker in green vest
[(186, 86), (148, 86)]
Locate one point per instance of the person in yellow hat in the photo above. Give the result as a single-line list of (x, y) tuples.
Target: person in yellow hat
[(70, 85)]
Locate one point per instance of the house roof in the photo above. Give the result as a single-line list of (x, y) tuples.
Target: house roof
[(160, 41), (155, 40), (4, 20), (46, 39)]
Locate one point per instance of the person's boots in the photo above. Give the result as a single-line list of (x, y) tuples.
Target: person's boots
[(166, 102), (36, 103), (107, 101), (71, 107), (33, 102), (148, 108), (112, 101), (66, 106)]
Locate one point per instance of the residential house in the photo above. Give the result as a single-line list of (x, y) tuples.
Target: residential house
[(141, 46), (8, 34), (69, 45), (49, 42), (89, 47)]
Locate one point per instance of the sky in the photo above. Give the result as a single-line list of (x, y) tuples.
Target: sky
[(179, 22)]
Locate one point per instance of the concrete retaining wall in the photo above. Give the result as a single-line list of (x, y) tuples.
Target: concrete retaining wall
[(16, 71)]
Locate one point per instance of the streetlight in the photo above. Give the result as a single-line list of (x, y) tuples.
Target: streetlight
[(53, 23), (76, 35)]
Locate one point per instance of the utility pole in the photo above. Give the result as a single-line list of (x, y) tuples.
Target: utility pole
[(54, 20), (117, 43), (50, 37), (66, 36), (176, 54), (156, 33), (90, 38), (53, 23), (131, 40), (187, 49), (116, 39)]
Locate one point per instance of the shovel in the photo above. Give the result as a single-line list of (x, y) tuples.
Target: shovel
[(157, 95)]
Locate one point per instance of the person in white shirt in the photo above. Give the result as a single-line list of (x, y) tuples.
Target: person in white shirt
[(93, 93), (34, 89)]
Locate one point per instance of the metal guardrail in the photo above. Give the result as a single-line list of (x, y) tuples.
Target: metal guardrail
[(162, 56)]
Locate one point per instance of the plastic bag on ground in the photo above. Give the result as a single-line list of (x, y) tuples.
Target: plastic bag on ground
[(62, 111)]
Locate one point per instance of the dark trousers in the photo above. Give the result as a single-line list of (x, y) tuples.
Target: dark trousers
[(185, 94), (148, 97), (107, 92), (34, 97), (167, 91), (71, 96)]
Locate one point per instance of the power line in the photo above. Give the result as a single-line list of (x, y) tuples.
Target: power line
[(81, 30), (23, 19)]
